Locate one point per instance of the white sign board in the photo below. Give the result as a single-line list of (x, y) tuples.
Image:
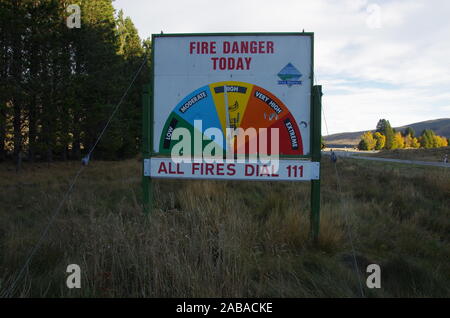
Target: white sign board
[(284, 170), (233, 81)]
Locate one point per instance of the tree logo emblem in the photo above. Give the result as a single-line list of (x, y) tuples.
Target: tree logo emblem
[(289, 75)]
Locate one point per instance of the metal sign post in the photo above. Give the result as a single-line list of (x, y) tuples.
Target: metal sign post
[(316, 154), (147, 132)]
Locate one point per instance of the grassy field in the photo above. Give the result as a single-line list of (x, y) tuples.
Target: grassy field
[(435, 154), (226, 239)]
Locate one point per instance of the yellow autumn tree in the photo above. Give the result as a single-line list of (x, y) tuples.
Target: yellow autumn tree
[(367, 141), (415, 143), (439, 141), (380, 140), (398, 141), (408, 141)]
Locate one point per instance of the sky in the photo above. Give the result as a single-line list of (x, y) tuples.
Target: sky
[(374, 59)]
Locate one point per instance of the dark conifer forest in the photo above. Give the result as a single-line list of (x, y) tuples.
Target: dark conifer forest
[(59, 85)]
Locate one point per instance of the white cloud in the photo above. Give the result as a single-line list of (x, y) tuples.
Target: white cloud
[(400, 71)]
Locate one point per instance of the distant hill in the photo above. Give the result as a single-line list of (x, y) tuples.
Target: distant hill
[(350, 139)]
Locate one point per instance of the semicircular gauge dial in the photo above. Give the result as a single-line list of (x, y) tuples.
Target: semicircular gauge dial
[(251, 110)]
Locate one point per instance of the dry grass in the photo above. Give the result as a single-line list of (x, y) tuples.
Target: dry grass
[(433, 154), (226, 239)]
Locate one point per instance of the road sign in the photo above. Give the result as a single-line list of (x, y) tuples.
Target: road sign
[(283, 170), (219, 101), (265, 80)]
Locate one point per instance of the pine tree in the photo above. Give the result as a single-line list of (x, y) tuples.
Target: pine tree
[(409, 131), (58, 86), (4, 75), (389, 133), (384, 127), (381, 126), (427, 139), (131, 49)]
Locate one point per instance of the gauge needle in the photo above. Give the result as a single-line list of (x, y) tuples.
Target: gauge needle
[(227, 116)]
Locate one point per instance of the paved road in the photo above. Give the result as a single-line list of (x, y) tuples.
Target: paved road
[(352, 154)]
